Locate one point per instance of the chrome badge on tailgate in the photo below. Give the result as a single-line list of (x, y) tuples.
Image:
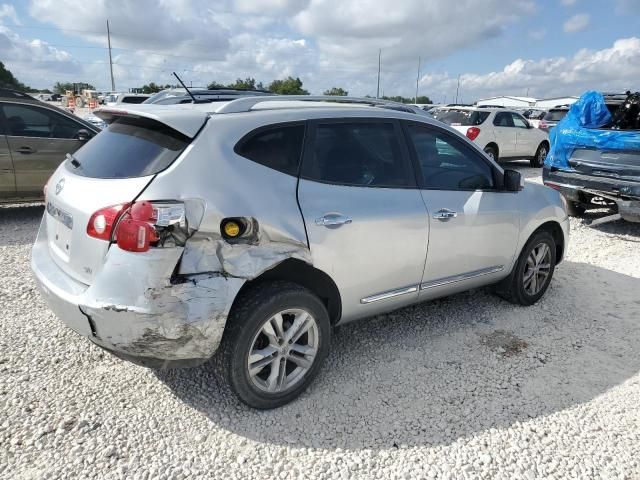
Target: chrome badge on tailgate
[(65, 218)]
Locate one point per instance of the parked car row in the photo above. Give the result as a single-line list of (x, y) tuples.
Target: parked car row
[(244, 230)]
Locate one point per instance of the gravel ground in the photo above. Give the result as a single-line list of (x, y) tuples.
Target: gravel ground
[(465, 387)]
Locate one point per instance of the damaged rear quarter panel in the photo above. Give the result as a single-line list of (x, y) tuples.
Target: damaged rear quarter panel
[(137, 310)]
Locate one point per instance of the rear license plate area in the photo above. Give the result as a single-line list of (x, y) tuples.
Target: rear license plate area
[(61, 228)]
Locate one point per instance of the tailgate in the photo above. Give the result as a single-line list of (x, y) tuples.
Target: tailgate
[(619, 165), (70, 202)]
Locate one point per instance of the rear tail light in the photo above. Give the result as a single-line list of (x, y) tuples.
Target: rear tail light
[(102, 222), (138, 226), (472, 133), (543, 125)]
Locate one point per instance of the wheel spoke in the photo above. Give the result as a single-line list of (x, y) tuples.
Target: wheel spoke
[(271, 334), (258, 359), (300, 326), (274, 376), (301, 361), (302, 349), (542, 253), (276, 321), (534, 284)]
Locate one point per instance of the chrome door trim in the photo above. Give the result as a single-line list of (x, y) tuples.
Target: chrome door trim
[(459, 278), (390, 294)]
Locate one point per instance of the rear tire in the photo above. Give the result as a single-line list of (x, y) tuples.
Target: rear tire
[(492, 152), (533, 271), (541, 153), (261, 359)]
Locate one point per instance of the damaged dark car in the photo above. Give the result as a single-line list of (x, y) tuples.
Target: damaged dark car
[(595, 156)]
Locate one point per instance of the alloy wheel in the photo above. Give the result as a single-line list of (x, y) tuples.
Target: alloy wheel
[(283, 350), (537, 269)]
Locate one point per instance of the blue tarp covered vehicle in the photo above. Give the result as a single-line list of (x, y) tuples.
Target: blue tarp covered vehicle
[(594, 160)]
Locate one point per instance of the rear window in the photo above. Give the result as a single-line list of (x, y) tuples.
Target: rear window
[(463, 118), (556, 115), (133, 99), (129, 148)]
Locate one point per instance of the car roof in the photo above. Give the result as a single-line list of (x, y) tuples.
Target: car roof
[(187, 118)]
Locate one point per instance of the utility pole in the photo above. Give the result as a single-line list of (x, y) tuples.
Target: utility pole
[(379, 58), (417, 80), (113, 83), (457, 88)]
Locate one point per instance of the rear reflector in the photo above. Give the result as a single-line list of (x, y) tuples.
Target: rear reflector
[(135, 235), (555, 186), (472, 133)]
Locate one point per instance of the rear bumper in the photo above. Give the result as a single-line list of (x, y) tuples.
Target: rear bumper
[(576, 187), (134, 311)]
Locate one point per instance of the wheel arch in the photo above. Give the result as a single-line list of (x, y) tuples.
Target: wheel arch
[(556, 232), (493, 145), (305, 275)]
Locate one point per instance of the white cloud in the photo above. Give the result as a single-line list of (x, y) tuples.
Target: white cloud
[(538, 34), (577, 23), (611, 69), (8, 11)]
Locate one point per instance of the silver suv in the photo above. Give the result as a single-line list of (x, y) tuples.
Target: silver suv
[(248, 229)]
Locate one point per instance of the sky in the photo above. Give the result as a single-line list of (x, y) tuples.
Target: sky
[(536, 48)]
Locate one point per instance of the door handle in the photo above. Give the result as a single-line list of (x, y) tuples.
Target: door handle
[(333, 220), (25, 150), (445, 214)]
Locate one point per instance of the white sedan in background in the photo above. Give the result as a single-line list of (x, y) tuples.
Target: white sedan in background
[(503, 134)]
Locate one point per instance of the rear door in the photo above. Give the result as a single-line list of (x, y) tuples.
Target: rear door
[(365, 219), (38, 138), (505, 134), (7, 179), (526, 144), (474, 226), (112, 169)]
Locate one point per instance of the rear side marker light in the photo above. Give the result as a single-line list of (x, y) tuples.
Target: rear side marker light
[(472, 133)]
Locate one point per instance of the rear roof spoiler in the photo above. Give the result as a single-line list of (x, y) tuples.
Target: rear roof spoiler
[(187, 121)]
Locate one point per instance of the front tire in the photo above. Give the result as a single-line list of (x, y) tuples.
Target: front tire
[(533, 271), (541, 154), (277, 337)]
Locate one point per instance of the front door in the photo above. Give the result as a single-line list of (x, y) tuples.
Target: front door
[(525, 145), (473, 226), (505, 134), (366, 221), (38, 138)]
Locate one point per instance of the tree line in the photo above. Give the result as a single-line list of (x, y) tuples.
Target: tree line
[(286, 86)]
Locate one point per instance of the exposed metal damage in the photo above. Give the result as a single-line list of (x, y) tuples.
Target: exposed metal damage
[(176, 313)]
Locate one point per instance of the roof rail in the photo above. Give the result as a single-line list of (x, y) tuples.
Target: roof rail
[(246, 104)]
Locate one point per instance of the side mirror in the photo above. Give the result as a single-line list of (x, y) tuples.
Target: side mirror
[(83, 135), (513, 181)]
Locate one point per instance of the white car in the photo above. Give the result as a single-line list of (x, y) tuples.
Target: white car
[(502, 134)]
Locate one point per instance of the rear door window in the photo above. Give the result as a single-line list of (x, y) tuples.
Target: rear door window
[(519, 121), (278, 147), (358, 153), (129, 148), (503, 119)]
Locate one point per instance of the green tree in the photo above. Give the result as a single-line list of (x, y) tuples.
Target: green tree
[(248, 83), (152, 87), (337, 91), (288, 86), (7, 80), (423, 99), (213, 85)]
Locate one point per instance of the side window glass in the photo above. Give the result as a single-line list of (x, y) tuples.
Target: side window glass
[(446, 163), (518, 121), (28, 121), (366, 154), (279, 148), (503, 119)]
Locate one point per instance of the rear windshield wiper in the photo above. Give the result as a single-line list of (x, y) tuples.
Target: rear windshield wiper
[(74, 161)]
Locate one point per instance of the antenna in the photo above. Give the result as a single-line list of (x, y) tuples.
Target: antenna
[(185, 87)]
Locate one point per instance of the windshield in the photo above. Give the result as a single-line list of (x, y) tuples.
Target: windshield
[(464, 118), (128, 148)]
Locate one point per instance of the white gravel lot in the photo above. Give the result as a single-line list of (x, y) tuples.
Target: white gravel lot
[(465, 387)]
